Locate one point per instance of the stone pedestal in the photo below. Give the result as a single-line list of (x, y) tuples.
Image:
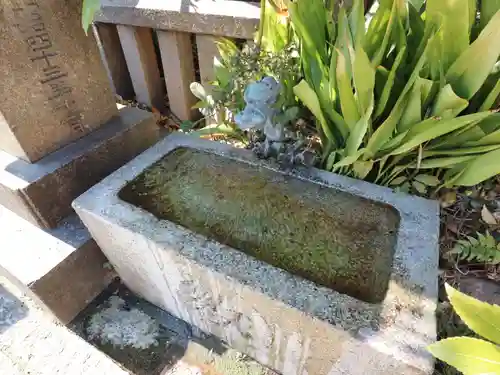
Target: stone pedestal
[(54, 88), (60, 133), (31, 189)]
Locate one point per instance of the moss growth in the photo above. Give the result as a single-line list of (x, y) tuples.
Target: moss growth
[(330, 237)]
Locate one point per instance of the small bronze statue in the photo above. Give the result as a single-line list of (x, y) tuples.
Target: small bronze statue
[(260, 114)]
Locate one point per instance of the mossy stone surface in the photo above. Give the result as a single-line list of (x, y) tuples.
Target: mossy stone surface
[(325, 235)]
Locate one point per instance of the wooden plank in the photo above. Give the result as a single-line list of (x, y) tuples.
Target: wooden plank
[(178, 67), (207, 51), (142, 64), (235, 19), (114, 59)]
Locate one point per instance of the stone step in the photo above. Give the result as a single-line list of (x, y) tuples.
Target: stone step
[(33, 342), (63, 266), (42, 192)]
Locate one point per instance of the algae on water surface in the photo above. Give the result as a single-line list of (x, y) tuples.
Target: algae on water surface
[(322, 234)]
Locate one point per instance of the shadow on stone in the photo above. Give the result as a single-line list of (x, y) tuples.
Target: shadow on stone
[(118, 323), (12, 309), (147, 340)]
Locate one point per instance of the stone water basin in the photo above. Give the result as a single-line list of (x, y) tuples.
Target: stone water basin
[(304, 270)]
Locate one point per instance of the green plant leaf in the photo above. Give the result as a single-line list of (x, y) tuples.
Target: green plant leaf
[(344, 44), (187, 125), (413, 112), (198, 90), (227, 49), (481, 317), (358, 132), (472, 13), (346, 94), (330, 161), (417, 3), (89, 7), (468, 355), (427, 179), (382, 47), (393, 143), (448, 104), (347, 160), (389, 84), (492, 139), (433, 128), (332, 78), (275, 33), (420, 187), (417, 26), (484, 249), (478, 170), (447, 162), (460, 137), (362, 168), (364, 80), (377, 29), (461, 151), (488, 9), (357, 22), (451, 18), (470, 70), (491, 98), (398, 181), (309, 21), (214, 129), (384, 131), (307, 95)]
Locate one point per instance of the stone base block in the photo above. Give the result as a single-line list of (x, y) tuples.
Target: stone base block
[(63, 266), (42, 192)]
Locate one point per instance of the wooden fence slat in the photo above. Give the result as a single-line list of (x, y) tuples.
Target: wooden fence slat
[(140, 54), (178, 67), (207, 50), (114, 60)]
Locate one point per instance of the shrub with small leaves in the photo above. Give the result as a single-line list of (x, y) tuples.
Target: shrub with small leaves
[(484, 248), (273, 53)]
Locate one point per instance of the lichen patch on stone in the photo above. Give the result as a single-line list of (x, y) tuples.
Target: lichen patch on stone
[(122, 327)]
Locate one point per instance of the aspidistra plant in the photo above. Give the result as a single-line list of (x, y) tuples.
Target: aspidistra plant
[(408, 97)]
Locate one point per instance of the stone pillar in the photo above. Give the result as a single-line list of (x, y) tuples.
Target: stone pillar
[(60, 133), (54, 88)]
